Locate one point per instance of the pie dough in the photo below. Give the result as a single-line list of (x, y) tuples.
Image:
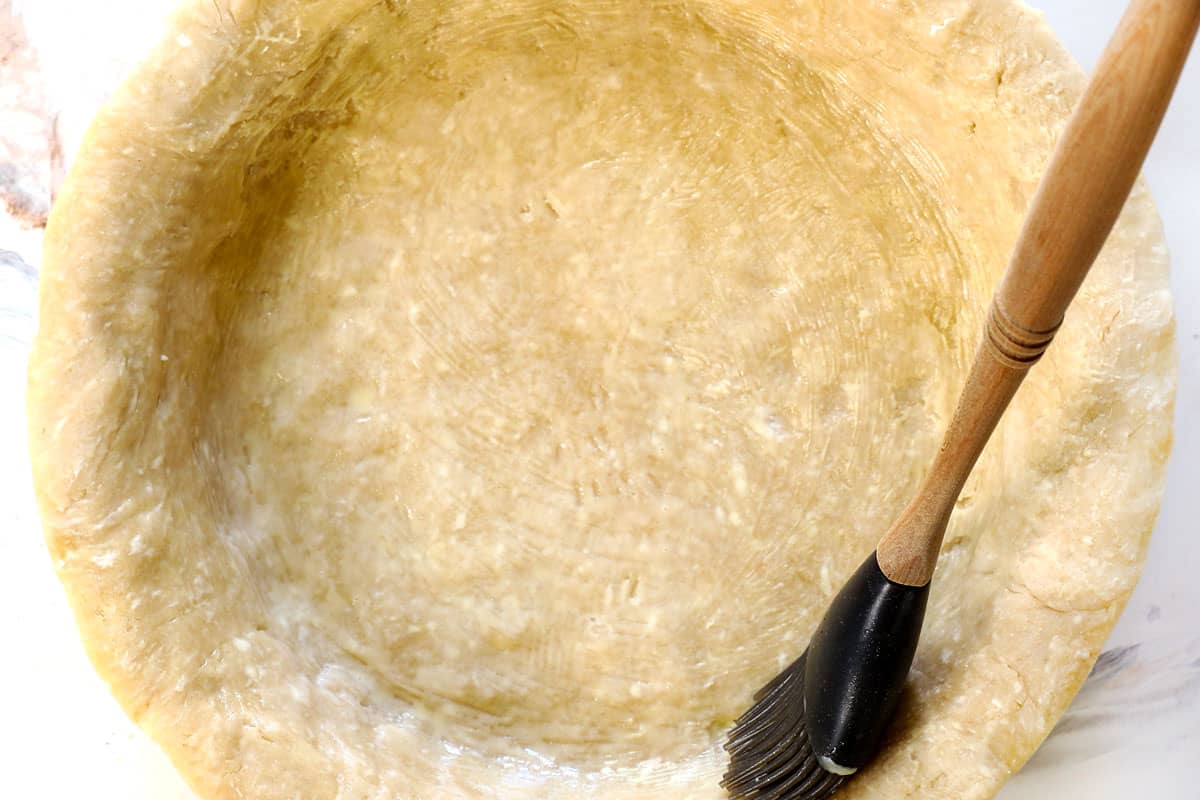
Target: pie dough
[(481, 399)]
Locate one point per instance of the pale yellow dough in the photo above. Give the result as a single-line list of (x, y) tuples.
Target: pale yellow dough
[(481, 399)]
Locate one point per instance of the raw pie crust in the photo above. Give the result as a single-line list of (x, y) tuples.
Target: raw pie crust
[(480, 399)]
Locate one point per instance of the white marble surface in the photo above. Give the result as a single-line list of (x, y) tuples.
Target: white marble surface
[(1134, 728)]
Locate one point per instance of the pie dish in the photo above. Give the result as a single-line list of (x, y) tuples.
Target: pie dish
[(464, 399)]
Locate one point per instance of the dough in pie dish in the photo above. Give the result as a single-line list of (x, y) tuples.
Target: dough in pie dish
[(481, 399)]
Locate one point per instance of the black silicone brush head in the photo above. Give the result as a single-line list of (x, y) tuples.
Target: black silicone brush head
[(823, 718), (770, 757)]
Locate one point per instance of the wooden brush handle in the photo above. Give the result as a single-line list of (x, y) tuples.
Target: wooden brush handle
[(1080, 196)]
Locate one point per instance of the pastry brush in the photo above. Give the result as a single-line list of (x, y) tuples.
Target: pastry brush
[(824, 717)]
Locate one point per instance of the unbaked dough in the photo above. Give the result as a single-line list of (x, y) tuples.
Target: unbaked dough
[(481, 399)]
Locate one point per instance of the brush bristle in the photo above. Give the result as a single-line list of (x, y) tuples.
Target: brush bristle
[(769, 754)]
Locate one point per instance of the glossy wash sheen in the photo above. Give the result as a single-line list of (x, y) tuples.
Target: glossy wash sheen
[(419, 385)]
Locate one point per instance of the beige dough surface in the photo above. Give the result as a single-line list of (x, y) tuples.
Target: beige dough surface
[(481, 399)]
